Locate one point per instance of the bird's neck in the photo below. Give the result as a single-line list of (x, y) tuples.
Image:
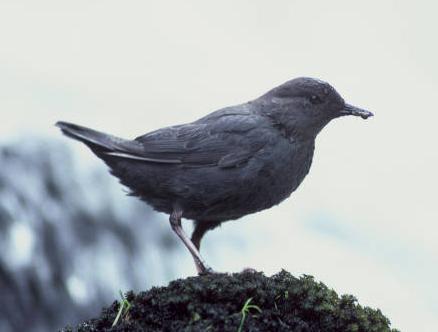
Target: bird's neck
[(294, 132), (295, 129), (290, 124)]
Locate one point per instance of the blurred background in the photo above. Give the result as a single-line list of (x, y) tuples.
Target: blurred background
[(364, 221)]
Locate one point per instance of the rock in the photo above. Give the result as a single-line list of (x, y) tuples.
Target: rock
[(216, 302)]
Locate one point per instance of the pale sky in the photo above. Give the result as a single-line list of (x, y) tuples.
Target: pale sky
[(365, 219)]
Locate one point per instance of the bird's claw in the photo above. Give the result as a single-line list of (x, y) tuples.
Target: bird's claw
[(206, 271)]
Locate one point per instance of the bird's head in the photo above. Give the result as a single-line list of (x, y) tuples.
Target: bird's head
[(303, 106)]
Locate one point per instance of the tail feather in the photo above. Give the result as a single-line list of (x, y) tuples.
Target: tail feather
[(99, 141)]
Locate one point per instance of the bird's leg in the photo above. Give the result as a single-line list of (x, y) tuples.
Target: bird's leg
[(202, 227), (175, 223)]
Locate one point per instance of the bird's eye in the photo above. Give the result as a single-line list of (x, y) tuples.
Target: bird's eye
[(314, 99)]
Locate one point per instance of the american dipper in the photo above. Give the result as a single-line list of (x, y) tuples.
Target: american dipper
[(233, 162)]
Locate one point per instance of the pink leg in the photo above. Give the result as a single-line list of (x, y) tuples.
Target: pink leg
[(175, 223)]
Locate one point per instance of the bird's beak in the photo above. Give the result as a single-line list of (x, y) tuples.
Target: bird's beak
[(353, 110)]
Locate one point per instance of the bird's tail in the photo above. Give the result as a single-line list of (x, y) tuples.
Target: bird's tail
[(99, 142)]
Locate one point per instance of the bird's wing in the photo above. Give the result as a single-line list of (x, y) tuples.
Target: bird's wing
[(224, 140)]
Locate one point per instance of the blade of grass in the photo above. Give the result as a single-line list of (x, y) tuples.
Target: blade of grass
[(245, 311), (123, 309)]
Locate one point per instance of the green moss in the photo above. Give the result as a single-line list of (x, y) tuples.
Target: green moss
[(214, 303)]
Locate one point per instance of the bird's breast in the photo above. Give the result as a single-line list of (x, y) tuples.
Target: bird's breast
[(282, 171)]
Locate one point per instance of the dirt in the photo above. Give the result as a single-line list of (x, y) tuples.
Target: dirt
[(214, 303)]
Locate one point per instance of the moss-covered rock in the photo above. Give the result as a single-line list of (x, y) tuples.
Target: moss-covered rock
[(215, 303)]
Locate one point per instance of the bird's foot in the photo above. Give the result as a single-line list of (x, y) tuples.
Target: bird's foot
[(203, 268), (206, 271)]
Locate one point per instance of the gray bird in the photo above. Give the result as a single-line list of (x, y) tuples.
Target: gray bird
[(235, 161)]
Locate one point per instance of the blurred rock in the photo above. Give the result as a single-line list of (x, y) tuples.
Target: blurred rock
[(69, 238)]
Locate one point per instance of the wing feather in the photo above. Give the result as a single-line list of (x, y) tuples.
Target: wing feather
[(225, 141)]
